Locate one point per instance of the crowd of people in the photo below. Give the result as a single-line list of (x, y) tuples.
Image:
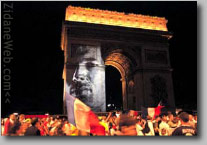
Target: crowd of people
[(115, 123)]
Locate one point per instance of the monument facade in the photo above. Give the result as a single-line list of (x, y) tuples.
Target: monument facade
[(136, 45)]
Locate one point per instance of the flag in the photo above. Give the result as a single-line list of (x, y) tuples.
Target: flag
[(81, 116), (148, 111), (151, 111), (158, 110)]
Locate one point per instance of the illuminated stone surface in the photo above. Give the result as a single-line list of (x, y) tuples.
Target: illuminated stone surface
[(96, 16)]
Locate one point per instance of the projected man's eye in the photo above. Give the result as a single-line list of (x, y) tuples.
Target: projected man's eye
[(90, 64)]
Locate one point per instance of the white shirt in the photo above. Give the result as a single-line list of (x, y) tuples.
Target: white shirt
[(164, 125), (139, 130), (152, 132)]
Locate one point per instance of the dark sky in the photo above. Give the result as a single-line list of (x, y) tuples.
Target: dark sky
[(37, 65)]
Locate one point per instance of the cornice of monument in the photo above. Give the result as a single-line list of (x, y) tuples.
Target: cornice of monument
[(105, 17)]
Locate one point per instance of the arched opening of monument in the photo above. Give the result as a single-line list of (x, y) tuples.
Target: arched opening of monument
[(114, 99)]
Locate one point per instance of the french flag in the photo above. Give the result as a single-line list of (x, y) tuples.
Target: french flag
[(151, 111), (81, 116)]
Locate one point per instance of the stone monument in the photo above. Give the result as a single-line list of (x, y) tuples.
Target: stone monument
[(136, 45)]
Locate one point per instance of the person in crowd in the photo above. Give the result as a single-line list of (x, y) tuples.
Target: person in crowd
[(50, 122), (150, 125), (59, 129), (33, 129), (2, 126), (112, 129), (41, 127), (192, 122), (117, 114), (164, 128), (70, 130), (9, 124), (113, 118), (45, 124), (174, 125), (185, 129), (15, 129), (66, 128), (170, 119), (21, 118), (55, 127), (127, 126), (156, 124), (139, 127), (104, 123)]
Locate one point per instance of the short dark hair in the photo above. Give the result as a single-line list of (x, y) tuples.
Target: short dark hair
[(126, 120), (163, 114), (34, 121), (175, 120), (139, 120), (184, 116), (113, 114)]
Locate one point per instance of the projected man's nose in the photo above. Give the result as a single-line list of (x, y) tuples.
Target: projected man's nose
[(81, 75), (78, 78), (82, 86)]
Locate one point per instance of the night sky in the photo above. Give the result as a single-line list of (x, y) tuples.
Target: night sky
[(37, 65)]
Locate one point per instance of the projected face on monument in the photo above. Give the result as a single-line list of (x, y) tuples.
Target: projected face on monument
[(88, 81)]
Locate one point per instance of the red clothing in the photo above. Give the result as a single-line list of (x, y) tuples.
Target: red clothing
[(42, 131), (7, 126), (114, 127), (45, 123)]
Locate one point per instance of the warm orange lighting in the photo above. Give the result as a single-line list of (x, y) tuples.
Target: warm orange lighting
[(105, 17)]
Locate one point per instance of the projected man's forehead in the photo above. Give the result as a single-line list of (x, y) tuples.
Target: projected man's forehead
[(88, 54)]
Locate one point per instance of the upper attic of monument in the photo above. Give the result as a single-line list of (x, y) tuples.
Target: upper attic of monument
[(105, 17)]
